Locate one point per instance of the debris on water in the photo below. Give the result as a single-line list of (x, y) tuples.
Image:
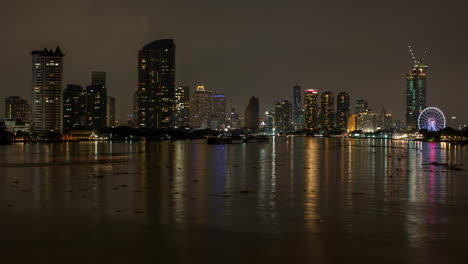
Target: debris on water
[(195, 180), (123, 185), (245, 191), (139, 212), (357, 193), (99, 177), (118, 211), (9, 205)]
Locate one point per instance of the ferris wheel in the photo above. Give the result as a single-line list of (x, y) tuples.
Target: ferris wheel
[(432, 119)]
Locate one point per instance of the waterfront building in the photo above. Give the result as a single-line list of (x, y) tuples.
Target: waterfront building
[(252, 114), (298, 113), (74, 107), (367, 122), (18, 109), (110, 112), (361, 106), (327, 111), (342, 111), (156, 89), (96, 101), (283, 116), (182, 107), (352, 123), (385, 120), (415, 94), (219, 111), (201, 108), (47, 72), (233, 119), (311, 109)]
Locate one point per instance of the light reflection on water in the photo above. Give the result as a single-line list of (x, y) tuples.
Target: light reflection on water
[(321, 188)]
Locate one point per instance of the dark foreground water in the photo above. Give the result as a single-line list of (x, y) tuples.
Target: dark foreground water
[(304, 200)]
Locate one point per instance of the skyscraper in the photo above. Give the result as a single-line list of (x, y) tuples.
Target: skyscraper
[(327, 111), (342, 111), (182, 106), (219, 111), (233, 118), (74, 107), (361, 106), (110, 112), (17, 108), (298, 113), (156, 84), (96, 101), (47, 80), (311, 109), (252, 114), (283, 116), (415, 94), (201, 108)]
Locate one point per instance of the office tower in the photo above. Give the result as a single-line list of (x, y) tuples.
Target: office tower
[(298, 113), (385, 120), (352, 123), (156, 89), (219, 111), (17, 108), (182, 107), (200, 108), (233, 119), (415, 94), (327, 111), (342, 111), (283, 116), (252, 114), (367, 122), (268, 121), (110, 112), (361, 106), (134, 115), (311, 109), (47, 90), (74, 107), (96, 101)]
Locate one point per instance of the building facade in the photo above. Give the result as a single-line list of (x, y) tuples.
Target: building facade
[(201, 108), (415, 94), (311, 109), (361, 106), (327, 111), (252, 114), (298, 113), (283, 116), (342, 111), (182, 107), (233, 119), (366, 122), (74, 107), (219, 111), (156, 84), (18, 109), (110, 112), (96, 101), (47, 80)]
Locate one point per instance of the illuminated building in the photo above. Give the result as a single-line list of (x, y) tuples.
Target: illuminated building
[(342, 111), (219, 111), (361, 106), (110, 112), (367, 122), (283, 116), (268, 121), (74, 107), (182, 107), (47, 80), (298, 113), (311, 109), (415, 94), (352, 123), (327, 111), (385, 120), (233, 119), (252, 114), (156, 89), (96, 101), (17, 108), (200, 108)]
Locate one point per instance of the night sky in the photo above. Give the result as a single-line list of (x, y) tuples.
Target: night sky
[(247, 48)]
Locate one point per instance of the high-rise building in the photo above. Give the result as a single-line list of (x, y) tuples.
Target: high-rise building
[(415, 94), (156, 89), (182, 107), (74, 107), (298, 113), (47, 81), (342, 111), (311, 109), (110, 112), (233, 119), (385, 120), (219, 111), (283, 116), (327, 111), (361, 106), (96, 101), (17, 108), (201, 108), (134, 117), (252, 114), (366, 122), (352, 123)]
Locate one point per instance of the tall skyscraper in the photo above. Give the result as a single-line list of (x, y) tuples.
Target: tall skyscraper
[(252, 114), (361, 106), (219, 111), (327, 111), (156, 84), (233, 118), (342, 111), (96, 101), (367, 122), (110, 112), (182, 107), (47, 81), (311, 109), (298, 113), (74, 107), (201, 108), (415, 94), (385, 120), (17, 108), (283, 116)]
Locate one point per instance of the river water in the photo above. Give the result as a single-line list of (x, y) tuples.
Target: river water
[(295, 200)]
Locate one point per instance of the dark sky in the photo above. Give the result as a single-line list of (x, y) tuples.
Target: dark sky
[(245, 47)]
